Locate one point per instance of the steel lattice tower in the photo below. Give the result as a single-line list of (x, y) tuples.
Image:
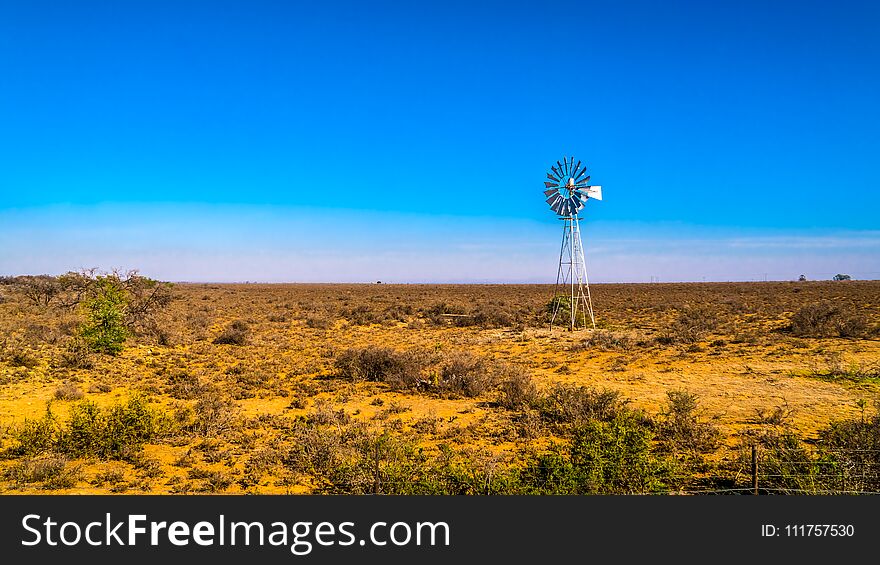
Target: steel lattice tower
[(567, 193)]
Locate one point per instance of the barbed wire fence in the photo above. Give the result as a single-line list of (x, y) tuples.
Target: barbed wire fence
[(829, 471)]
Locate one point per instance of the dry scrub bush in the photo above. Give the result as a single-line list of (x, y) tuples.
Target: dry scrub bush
[(828, 319), (454, 374), (235, 333), (185, 386), (214, 414), (68, 391), (691, 325), (517, 389), (53, 471), (321, 321), (76, 355), (679, 429), (400, 369), (463, 374), (572, 404), (21, 357), (604, 340)]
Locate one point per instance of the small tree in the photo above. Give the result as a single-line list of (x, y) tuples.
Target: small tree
[(105, 330)]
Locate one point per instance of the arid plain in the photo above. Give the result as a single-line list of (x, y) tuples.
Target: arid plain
[(381, 388)]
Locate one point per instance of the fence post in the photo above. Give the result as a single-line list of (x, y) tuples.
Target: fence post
[(755, 469)]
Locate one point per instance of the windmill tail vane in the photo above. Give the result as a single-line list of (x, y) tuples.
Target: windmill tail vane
[(567, 190)]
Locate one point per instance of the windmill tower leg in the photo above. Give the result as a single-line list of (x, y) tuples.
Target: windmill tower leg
[(571, 279), (572, 243), (563, 274), (583, 280)]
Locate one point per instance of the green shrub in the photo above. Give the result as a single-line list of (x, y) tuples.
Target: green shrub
[(610, 457), (36, 436), (104, 330), (379, 464), (849, 454), (117, 432), (561, 307), (785, 463)]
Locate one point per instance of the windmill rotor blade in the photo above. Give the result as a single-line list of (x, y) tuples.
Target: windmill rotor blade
[(559, 165), (583, 181), (582, 196), (550, 192), (551, 199), (549, 184), (555, 172), (556, 207), (573, 204), (580, 174), (576, 167)]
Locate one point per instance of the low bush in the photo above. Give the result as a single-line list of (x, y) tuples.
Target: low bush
[(691, 325), (116, 432), (601, 457), (605, 340), (35, 436), (828, 319), (402, 370), (214, 414), (679, 429), (53, 471), (558, 312), (68, 391), (849, 454), (463, 374), (517, 388), (76, 355), (572, 404), (235, 334)]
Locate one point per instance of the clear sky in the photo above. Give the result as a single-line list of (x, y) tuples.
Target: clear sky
[(407, 141)]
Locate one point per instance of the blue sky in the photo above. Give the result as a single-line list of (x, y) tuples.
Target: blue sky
[(408, 141)]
